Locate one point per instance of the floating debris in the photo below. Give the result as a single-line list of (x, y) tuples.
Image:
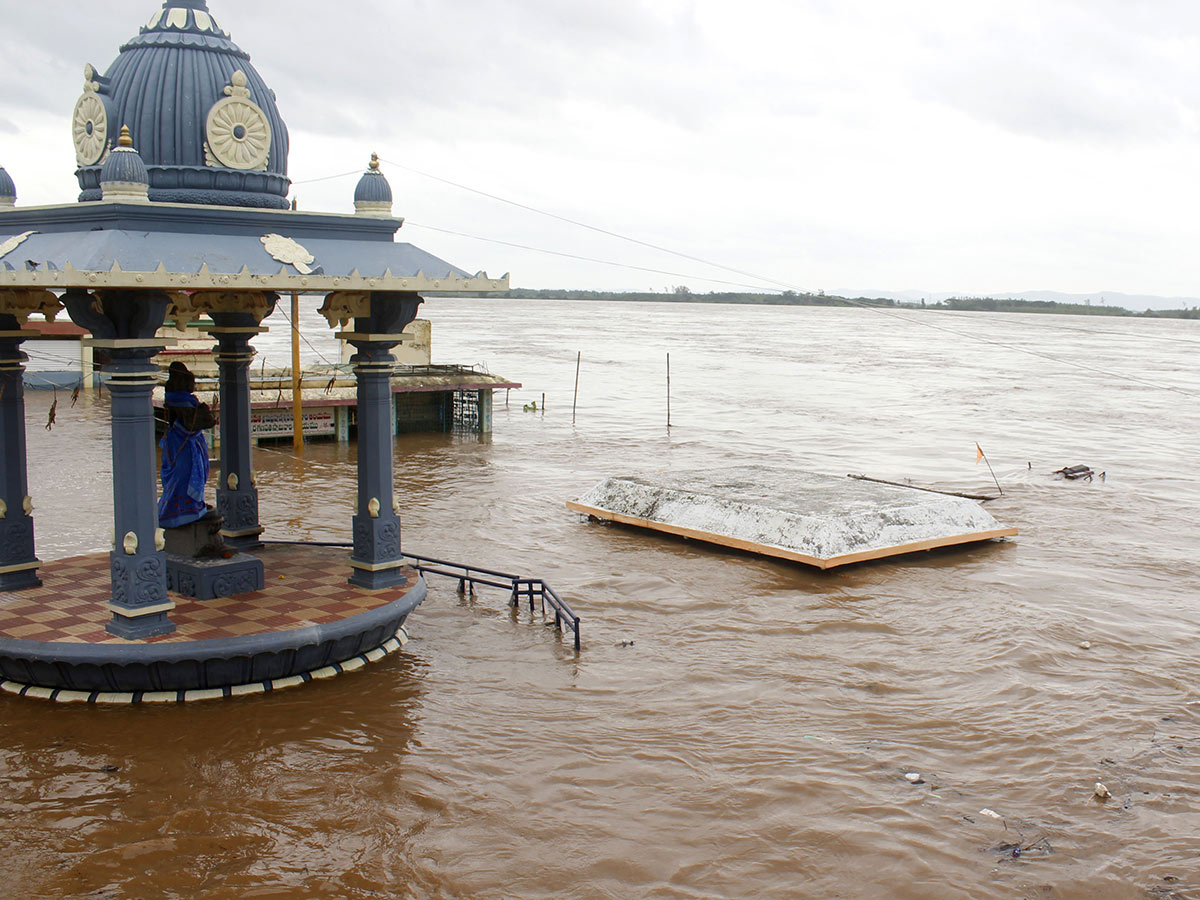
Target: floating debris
[(1101, 793), (1016, 851), (914, 778), (990, 813), (1075, 473)]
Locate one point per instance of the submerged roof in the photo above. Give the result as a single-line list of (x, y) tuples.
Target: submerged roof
[(814, 519)]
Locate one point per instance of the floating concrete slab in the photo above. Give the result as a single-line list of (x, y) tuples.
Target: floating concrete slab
[(818, 520)]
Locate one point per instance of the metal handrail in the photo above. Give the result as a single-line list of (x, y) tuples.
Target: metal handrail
[(533, 588), (469, 576), (536, 588)]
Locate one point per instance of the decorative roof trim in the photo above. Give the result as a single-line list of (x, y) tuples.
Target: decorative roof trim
[(282, 282)]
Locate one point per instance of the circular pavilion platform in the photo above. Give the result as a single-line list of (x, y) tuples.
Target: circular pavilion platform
[(307, 623)]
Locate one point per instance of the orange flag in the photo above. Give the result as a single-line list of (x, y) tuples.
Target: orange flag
[(978, 453)]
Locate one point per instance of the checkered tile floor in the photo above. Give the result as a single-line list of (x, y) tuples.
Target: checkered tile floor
[(304, 586)]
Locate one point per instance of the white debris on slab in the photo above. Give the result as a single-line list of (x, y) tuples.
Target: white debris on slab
[(816, 519)]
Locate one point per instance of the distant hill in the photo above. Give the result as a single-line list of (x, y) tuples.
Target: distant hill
[(1028, 302), (1134, 302)]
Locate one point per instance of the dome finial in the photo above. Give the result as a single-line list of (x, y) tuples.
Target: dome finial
[(373, 195), (123, 177)]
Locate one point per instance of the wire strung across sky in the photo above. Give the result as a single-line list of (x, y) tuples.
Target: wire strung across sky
[(896, 314), (592, 259)]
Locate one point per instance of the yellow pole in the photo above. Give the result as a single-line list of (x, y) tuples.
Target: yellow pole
[(297, 414)]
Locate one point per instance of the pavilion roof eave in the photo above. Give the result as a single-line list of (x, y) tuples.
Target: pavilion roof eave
[(118, 259)]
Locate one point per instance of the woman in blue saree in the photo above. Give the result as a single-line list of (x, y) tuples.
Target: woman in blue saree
[(184, 451)]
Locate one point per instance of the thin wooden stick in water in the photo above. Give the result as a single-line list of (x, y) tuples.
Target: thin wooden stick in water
[(918, 488), (983, 456), (668, 389), (578, 360)]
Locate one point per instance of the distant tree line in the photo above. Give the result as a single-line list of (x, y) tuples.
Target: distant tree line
[(683, 294), (992, 304)]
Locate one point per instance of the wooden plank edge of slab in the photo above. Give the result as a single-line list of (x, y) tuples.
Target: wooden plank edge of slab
[(780, 552), (971, 537)]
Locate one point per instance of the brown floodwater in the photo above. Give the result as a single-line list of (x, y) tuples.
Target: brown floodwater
[(734, 726)]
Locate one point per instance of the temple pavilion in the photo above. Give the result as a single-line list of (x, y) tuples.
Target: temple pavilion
[(183, 215)]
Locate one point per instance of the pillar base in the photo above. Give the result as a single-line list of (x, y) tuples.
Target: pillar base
[(244, 543), (20, 577), (376, 579), (139, 627)]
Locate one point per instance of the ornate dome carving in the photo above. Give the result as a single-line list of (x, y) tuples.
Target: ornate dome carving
[(205, 123)]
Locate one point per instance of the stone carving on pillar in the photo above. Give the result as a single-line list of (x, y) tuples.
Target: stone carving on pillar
[(379, 319), (21, 304), (123, 323), (342, 306), (237, 318), (18, 560)]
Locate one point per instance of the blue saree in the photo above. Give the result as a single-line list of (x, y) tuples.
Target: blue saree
[(184, 474)]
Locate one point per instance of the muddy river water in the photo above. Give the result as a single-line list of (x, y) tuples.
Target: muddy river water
[(734, 727)]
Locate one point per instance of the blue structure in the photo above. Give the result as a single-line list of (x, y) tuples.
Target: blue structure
[(222, 141), (183, 213)]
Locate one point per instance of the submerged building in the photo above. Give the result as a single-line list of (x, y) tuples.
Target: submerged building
[(183, 216)]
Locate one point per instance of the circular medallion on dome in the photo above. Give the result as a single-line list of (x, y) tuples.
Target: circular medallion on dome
[(239, 135), (89, 127)]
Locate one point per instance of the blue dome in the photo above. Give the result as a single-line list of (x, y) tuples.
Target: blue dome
[(373, 187), (205, 123), (123, 177), (8, 190), (124, 164)]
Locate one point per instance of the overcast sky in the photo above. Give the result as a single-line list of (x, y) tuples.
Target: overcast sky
[(973, 147)]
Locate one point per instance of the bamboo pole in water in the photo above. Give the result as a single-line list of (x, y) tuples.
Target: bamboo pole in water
[(297, 412), (668, 388), (575, 399)]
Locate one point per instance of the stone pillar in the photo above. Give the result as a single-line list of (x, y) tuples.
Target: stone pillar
[(485, 411), (124, 324), (237, 493), (18, 562), (380, 318)]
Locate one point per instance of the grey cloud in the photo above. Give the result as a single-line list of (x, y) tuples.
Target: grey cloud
[(377, 67), (1065, 73)]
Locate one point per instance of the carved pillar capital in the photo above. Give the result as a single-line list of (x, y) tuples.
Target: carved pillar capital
[(22, 303), (122, 322)]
